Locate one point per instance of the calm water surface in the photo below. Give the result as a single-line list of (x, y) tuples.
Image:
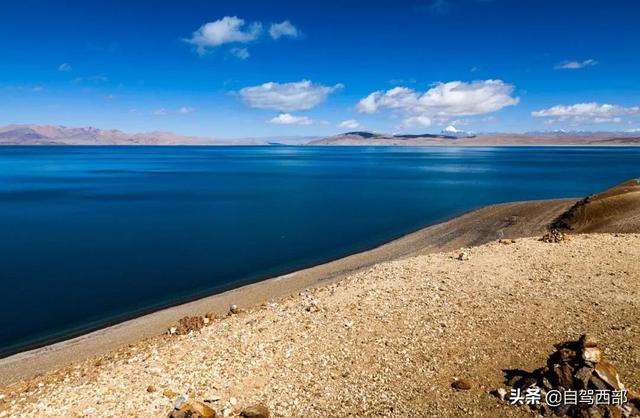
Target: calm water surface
[(94, 235)]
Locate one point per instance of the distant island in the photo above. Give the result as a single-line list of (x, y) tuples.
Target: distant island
[(62, 135)]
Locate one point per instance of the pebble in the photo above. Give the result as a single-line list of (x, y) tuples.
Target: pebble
[(461, 384), (463, 256), (180, 401)]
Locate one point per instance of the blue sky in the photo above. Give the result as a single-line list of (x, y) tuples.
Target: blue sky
[(256, 68)]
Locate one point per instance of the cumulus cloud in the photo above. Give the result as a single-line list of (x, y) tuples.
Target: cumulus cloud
[(229, 29), (233, 30), (278, 30), (64, 67), (587, 112), (287, 97), (289, 119), (242, 53), (350, 124), (451, 130), (419, 121), (575, 65), (442, 102)]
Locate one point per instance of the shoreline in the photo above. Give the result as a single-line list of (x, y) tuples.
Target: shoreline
[(473, 228)]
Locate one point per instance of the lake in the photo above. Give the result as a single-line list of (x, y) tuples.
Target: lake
[(94, 235)]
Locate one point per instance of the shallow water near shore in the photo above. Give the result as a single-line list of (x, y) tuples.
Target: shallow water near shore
[(93, 235)]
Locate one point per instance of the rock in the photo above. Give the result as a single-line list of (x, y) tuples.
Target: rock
[(463, 256), (189, 324), (576, 365), (151, 389), (583, 375), (169, 393), (234, 310), (609, 374), (592, 354), (507, 241), (598, 383), (592, 412), (563, 376), (211, 315), (212, 398), (554, 236), (313, 306), (193, 409), (180, 401), (567, 354), (255, 411), (172, 330), (501, 393), (588, 341), (461, 384), (614, 411)]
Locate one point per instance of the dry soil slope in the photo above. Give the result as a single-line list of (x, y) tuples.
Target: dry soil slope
[(614, 210)]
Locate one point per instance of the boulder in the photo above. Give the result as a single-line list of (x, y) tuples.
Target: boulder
[(193, 409), (255, 411)]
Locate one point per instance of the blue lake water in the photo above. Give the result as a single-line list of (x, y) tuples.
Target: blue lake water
[(94, 235)]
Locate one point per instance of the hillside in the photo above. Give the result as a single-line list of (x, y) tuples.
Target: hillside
[(62, 135), (498, 139), (386, 341)]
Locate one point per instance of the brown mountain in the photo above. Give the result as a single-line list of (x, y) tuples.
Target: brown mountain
[(62, 135), (542, 138)]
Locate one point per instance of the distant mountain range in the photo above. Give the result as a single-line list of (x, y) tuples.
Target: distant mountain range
[(459, 138), (62, 135)]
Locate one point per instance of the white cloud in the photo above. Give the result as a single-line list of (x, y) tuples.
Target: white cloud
[(451, 130), (289, 119), (65, 67), (350, 124), (242, 53), (278, 30), (229, 29), (184, 110), (587, 112), (473, 121), (287, 97), (233, 30), (575, 65), (442, 102), (420, 121)]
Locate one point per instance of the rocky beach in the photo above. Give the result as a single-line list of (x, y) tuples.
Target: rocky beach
[(437, 323), (386, 341)]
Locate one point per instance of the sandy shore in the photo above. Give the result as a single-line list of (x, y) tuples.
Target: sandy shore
[(387, 340), (512, 220)]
